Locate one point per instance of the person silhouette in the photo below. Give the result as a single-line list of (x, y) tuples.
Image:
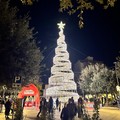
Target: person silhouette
[(57, 103), (50, 104), (64, 113), (7, 108)]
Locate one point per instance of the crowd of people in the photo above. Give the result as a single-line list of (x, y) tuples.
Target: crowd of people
[(47, 106), (67, 112), (8, 104)]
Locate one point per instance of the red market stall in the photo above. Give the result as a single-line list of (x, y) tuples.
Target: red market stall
[(31, 95)]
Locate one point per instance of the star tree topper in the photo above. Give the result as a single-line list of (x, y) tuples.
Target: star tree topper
[(61, 25)]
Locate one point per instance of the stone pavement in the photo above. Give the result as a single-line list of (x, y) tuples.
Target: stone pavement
[(57, 115), (110, 113), (106, 113), (2, 116)]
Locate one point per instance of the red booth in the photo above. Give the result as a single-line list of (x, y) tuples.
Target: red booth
[(31, 95)]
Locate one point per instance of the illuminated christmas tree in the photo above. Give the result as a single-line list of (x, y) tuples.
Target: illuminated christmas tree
[(61, 81)]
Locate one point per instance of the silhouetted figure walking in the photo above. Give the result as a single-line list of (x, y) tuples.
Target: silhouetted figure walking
[(50, 105), (7, 108), (64, 113), (40, 108), (80, 107), (57, 103), (72, 109), (59, 106)]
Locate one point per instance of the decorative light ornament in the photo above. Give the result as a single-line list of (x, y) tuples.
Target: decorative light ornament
[(61, 82), (61, 25)]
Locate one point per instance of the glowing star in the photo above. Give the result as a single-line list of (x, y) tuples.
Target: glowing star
[(61, 25)]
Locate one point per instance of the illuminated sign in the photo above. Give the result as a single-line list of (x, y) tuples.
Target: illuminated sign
[(27, 92)]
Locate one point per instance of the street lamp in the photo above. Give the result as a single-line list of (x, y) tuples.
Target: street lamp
[(118, 86), (116, 72), (4, 90)]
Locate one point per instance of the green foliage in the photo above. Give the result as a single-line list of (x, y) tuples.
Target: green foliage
[(86, 117), (41, 92), (28, 2), (79, 6), (46, 116), (19, 52), (43, 116), (91, 99), (117, 67), (19, 110), (6, 20), (96, 78), (95, 115)]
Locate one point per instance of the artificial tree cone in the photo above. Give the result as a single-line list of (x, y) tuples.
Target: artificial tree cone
[(61, 81)]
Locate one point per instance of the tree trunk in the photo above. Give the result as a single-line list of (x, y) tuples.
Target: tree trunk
[(106, 104)]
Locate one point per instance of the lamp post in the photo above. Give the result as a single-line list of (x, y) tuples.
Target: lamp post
[(4, 90), (118, 86), (116, 73)]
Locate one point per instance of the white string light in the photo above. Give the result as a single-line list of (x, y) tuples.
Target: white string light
[(61, 81)]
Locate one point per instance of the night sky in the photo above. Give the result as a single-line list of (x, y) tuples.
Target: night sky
[(99, 38)]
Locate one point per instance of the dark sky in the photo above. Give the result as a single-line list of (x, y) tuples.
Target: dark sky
[(99, 38)]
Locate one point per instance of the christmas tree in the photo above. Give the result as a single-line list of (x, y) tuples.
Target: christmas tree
[(61, 81)]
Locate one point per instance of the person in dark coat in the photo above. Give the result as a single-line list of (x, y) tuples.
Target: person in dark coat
[(7, 108), (50, 105), (72, 109), (57, 103), (80, 107), (40, 108), (64, 113)]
